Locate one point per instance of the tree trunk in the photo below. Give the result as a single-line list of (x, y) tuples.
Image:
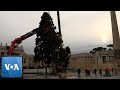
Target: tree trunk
[(54, 64)]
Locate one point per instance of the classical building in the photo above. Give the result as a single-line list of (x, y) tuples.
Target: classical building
[(31, 60), (19, 51), (82, 60), (100, 59), (32, 63), (105, 58)]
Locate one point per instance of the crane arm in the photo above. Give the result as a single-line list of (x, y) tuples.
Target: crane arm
[(20, 39)]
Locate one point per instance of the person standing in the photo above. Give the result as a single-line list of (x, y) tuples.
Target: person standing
[(112, 71), (86, 72), (105, 71), (79, 71), (95, 71), (100, 72)]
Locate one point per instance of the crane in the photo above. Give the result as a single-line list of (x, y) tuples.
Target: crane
[(19, 40), (59, 26)]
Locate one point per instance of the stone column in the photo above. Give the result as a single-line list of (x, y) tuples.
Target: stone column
[(99, 59), (107, 58), (95, 60), (110, 59)]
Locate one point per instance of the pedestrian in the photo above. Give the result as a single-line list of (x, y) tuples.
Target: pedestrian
[(115, 72), (100, 72), (108, 71), (86, 72), (95, 71), (37, 72), (112, 71), (105, 71), (79, 71)]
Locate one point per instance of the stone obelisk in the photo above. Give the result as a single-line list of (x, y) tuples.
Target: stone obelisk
[(115, 31), (116, 39)]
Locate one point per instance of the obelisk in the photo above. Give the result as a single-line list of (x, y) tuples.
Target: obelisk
[(116, 38), (115, 31)]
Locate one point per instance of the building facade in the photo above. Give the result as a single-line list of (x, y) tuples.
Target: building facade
[(105, 58), (101, 59), (82, 60)]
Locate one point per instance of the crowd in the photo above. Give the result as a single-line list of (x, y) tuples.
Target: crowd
[(102, 72)]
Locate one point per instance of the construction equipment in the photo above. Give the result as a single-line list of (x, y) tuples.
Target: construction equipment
[(19, 40), (59, 26)]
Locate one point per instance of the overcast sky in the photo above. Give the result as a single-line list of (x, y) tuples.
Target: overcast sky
[(81, 30)]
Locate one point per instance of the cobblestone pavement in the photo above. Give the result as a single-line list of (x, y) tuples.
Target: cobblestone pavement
[(92, 76), (33, 76), (74, 76)]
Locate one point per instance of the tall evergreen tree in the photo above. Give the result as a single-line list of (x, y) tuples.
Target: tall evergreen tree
[(48, 44)]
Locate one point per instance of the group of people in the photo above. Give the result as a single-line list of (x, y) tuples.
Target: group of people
[(107, 71), (88, 71)]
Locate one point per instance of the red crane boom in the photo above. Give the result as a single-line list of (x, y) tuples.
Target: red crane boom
[(19, 40)]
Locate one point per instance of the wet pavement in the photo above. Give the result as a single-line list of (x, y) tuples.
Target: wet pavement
[(74, 76)]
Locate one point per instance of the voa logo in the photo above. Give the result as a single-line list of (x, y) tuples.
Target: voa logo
[(13, 67)]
